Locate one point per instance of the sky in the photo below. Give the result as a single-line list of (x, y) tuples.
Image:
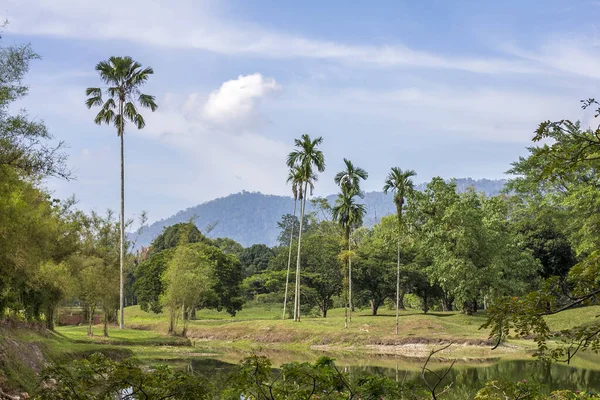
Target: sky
[(447, 88)]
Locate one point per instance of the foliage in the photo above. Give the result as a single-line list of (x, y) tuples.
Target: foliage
[(255, 379), (174, 234), (255, 259), (527, 390), (474, 254), (148, 284), (100, 378), (560, 177)]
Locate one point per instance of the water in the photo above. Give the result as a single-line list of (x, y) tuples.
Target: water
[(466, 378)]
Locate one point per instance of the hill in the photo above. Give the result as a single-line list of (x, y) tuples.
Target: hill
[(251, 217)]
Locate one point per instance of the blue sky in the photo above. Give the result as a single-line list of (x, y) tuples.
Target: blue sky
[(448, 88)]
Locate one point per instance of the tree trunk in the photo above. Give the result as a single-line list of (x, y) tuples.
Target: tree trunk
[(374, 307), (193, 313), (297, 295), (90, 321), (398, 285), (401, 300), (447, 303), (287, 276), (185, 316), (350, 278), (105, 329), (172, 321), (50, 317), (346, 282), (425, 304), (470, 307), (122, 244), (324, 308)]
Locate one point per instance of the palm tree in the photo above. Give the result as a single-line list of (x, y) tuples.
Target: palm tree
[(123, 77), (400, 184), (348, 214), (306, 157), (349, 180), (295, 178)]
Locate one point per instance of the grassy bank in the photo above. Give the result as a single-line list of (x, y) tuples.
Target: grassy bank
[(25, 351), (260, 327)]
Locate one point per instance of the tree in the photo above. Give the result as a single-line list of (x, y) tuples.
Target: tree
[(25, 144), (306, 157), (349, 181), (473, 253), (348, 214), (400, 183), (189, 279), (322, 265), (98, 265), (171, 236), (148, 286), (295, 179), (228, 246), (563, 174), (255, 259), (124, 77)]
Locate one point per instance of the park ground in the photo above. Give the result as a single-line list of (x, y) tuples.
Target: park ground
[(369, 340)]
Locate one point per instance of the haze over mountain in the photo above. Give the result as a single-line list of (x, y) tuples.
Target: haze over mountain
[(251, 217)]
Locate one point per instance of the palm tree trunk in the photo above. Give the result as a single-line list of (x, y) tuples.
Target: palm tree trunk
[(122, 244), (287, 276), (297, 295), (346, 280), (398, 286), (349, 281)]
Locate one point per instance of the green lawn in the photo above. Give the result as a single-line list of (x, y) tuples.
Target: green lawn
[(260, 328)]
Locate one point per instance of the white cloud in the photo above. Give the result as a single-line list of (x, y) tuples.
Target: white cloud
[(199, 25), (237, 100)]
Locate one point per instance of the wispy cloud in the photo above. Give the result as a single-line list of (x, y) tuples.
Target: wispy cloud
[(199, 26)]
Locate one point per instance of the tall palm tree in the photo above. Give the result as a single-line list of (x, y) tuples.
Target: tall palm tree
[(349, 180), (295, 178), (400, 184), (124, 77), (306, 157), (348, 214)]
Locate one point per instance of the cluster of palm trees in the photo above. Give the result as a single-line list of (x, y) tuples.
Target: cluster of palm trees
[(304, 163)]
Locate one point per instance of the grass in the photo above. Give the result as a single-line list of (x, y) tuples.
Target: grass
[(369, 341), (259, 328)]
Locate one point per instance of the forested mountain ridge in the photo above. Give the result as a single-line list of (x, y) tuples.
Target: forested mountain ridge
[(251, 217)]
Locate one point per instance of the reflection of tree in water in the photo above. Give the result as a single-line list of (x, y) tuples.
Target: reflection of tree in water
[(467, 380)]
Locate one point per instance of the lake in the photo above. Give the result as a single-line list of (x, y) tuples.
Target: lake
[(466, 376)]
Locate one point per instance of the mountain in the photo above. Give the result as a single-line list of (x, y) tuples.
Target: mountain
[(251, 217)]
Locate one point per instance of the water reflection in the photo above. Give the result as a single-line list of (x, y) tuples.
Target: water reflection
[(465, 379)]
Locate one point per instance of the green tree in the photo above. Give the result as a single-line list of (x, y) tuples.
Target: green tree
[(348, 215), (255, 259), (349, 182), (124, 78), (171, 237), (306, 157), (400, 183), (295, 179), (148, 286), (25, 144), (561, 174), (321, 263), (189, 280)]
